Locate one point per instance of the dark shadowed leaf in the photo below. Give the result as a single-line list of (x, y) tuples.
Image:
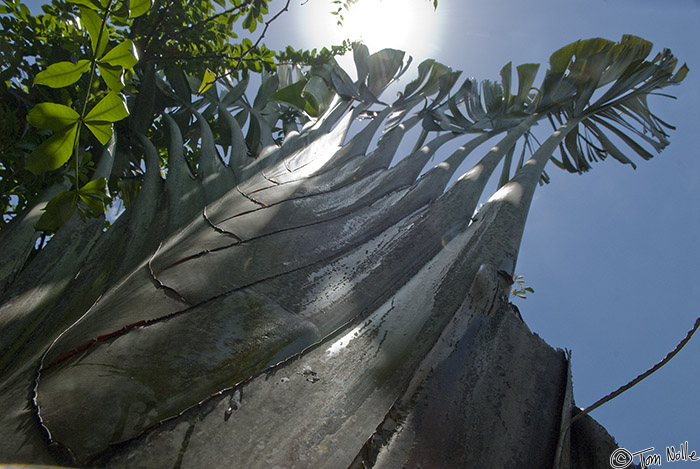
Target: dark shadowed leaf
[(58, 211)]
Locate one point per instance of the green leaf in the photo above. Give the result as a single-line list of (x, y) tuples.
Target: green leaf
[(62, 74), (95, 206), (207, 81), (506, 81), (93, 24), (382, 67), (101, 130), (291, 95), (680, 74), (93, 5), (96, 187), (54, 152), (52, 116), (123, 55), (526, 77), (58, 211), (139, 7), (343, 83), (111, 108), (560, 59), (267, 88), (360, 56), (641, 151), (250, 22), (423, 69), (318, 96), (94, 195), (609, 146), (122, 12), (112, 75)]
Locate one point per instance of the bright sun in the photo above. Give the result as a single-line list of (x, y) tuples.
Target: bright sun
[(409, 25)]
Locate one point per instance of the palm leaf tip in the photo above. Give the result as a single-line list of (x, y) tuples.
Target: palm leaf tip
[(621, 75)]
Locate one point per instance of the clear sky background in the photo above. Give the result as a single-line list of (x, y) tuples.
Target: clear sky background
[(612, 254)]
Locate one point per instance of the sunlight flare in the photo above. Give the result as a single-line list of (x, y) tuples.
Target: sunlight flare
[(409, 25)]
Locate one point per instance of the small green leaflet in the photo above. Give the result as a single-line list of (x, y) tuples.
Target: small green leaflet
[(93, 195), (208, 80), (111, 108), (62, 74), (89, 199)]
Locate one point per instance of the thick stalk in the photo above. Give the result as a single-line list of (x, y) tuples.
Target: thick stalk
[(509, 206)]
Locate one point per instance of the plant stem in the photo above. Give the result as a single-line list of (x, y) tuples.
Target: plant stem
[(83, 112)]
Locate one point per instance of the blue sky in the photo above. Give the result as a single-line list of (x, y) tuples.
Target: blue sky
[(612, 254)]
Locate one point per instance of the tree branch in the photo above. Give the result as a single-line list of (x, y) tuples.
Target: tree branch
[(639, 378), (176, 34)]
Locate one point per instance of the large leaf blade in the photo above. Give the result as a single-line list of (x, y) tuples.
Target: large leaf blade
[(52, 116), (139, 7), (58, 211), (99, 35), (122, 55), (54, 152), (382, 67), (62, 74), (111, 108), (112, 76)]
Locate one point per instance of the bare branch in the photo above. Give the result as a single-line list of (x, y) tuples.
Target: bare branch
[(639, 378)]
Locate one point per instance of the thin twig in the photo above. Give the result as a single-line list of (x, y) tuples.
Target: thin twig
[(209, 19), (257, 43), (639, 378)]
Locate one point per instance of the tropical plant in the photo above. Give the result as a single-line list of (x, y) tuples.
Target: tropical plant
[(284, 295), (59, 65), (519, 289)]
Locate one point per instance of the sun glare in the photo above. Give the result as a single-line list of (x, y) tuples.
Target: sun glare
[(409, 25)]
